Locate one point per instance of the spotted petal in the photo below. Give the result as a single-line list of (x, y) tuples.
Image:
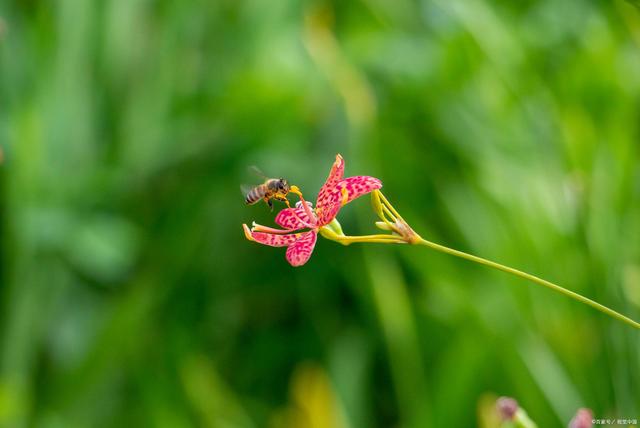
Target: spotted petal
[(295, 218), (328, 209), (344, 192), (358, 186), (299, 252), (271, 239), (335, 176)]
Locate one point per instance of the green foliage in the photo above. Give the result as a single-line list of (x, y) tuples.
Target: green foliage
[(129, 296)]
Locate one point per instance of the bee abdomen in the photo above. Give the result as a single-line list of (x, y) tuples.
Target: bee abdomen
[(254, 195)]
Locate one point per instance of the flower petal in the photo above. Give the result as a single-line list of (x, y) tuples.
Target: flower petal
[(358, 186), (299, 252), (328, 208), (295, 218), (271, 239), (344, 192), (335, 175)]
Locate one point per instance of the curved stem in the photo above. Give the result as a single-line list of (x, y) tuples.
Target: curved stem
[(389, 213), (379, 208), (383, 239), (385, 201), (328, 233), (540, 281), (307, 210)]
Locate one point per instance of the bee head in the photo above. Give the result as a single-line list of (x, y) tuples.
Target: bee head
[(283, 185)]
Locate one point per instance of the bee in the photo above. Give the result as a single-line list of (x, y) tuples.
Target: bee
[(271, 188)]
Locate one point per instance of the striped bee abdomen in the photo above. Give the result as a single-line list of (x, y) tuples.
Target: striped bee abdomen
[(255, 195)]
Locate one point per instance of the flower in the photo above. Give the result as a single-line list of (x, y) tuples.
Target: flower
[(507, 408), (334, 194), (582, 419)]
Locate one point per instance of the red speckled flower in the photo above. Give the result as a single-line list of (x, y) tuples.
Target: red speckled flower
[(336, 192), (303, 223)]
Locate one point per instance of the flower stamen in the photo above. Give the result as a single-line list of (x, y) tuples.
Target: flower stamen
[(296, 190), (265, 229)]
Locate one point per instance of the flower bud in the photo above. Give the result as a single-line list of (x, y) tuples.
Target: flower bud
[(582, 419), (507, 408)]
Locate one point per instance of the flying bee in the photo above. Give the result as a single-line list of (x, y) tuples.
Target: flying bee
[(271, 188)]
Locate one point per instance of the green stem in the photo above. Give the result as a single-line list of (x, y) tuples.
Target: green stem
[(522, 420), (530, 277), (329, 233), (346, 240)]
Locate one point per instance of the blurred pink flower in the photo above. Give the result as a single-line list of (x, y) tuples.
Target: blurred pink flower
[(582, 419), (334, 193), (507, 408)]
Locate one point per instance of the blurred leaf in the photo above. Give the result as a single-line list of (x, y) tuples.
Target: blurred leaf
[(104, 247)]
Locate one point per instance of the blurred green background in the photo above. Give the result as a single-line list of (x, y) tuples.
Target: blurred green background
[(130, 297)]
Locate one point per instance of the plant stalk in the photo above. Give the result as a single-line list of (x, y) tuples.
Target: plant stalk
[(532, 278)]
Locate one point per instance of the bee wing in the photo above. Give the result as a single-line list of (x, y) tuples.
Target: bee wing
[(254, 170)]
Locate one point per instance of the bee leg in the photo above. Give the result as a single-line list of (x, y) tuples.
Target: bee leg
[(269, 203), (282, 198)]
